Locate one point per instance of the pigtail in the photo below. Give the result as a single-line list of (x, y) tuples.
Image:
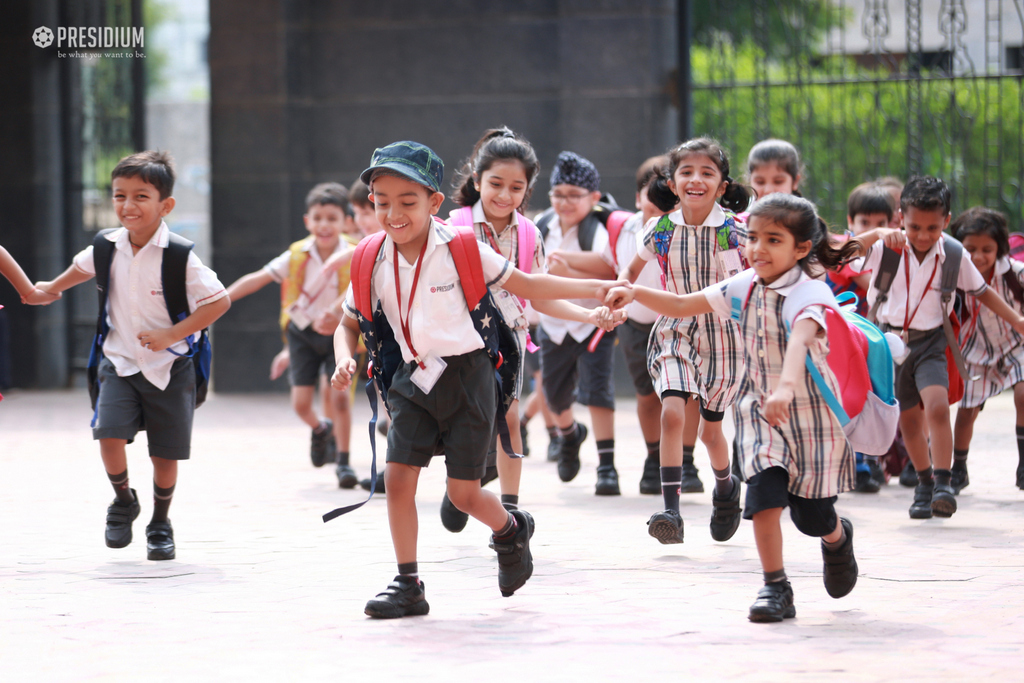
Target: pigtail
[(659, 193), (831, 253), (736, 197)]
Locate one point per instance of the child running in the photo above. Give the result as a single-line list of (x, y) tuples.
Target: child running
[(696, 362), (145, 380), (993, 350), (794, 450), (443, 394)]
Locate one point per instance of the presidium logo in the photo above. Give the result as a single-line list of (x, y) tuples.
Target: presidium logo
[(91, 37)]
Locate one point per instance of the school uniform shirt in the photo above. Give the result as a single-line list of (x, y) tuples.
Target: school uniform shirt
[(627, 246), (317, 292), (568, 240), (135, 302), (811, 446), (924, 295), (439, 320)]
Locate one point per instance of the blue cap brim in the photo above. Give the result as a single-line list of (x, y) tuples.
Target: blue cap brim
[(403, 169)]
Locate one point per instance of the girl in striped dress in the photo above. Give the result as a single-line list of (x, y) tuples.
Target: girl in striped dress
[(993, 351), (794, 450), (696, 362)]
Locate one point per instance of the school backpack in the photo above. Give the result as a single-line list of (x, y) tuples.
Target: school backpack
[(172, 274), (860, 357), (1017, 246), (955, 365), (291, 286), (605, 213), (385, 354)]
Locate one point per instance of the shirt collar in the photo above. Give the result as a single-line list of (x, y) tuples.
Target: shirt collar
[(714, 219), (787, 281), (480, 217), (121, 238), (439, 233), (1002, 265)]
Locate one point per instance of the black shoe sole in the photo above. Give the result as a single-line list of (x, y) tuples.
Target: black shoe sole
[(348, 480), (921, 513), (386, 610), (943, 505), (770, 618), (665, 532), (522, 517), (158, 555)]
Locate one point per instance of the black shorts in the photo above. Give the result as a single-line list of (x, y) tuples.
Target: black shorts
[(571, 373), (634, 337), (309, 354), (770, 489), (128, 405), (924, 366), (456, 418), (531, 360)]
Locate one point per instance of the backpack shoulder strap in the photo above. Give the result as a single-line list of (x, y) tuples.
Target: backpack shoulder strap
[(527, 243), (466, 255), (737, 293), (172, 274), (1011, 279), (950, 266), (616, 219), (462, 217), (587, 230), (102, 255), (806, 294), (890, 263), (543, 222), (363, 261)]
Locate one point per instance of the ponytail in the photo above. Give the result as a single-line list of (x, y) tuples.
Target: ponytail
[(736, 197), (659, 193)]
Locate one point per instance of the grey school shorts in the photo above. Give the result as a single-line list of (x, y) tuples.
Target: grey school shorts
[(924, 366), (456, 418), (128, 405), (309, 354), (770, 489), (634, 337), (570, 373)]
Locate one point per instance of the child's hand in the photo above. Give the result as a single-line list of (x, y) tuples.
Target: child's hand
[(280, 363), (326, 323), (39, 297), (336, 261), (776, 408), (607, 319), (1019, 324), (618, 296), (342, 377), (556, 264), (157, 340), (894, 239)]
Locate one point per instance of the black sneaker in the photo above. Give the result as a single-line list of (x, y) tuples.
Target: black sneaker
[(159, 541), (840, 571), (1020, 476), (725, 515), (320, 440), (690, 482), (921, 508), (650, 482), (515, 562), (569, 453), (943, 502), (119, 521), (959, 479), (526, 442), (666, 526), (379, 488), (347, 478), (452, 518), (908, 477), (865, 483), (402, 598), (607, 481), (554, 448), (875, 470), (774, 603)]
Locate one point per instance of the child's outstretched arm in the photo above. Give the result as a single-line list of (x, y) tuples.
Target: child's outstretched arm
[(570, 311), (894, 238), (632, 270), (660, 301), (249, 284), (201, 318), (996, 304), (66, 280), (337, 262), (776, 408), (346, 341), (579, 265), (30, 294), (543, 286)]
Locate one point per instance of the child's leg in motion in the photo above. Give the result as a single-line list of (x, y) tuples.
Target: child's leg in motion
[(159, 533), (1018, 402), (320, 441), (510, 470), (963, 432), (913, 426), (936, 412), (725, 517), (648, 413), (775, 600), (125, 508), (603, 420), (342, 419), (690, 481), (667, 526)]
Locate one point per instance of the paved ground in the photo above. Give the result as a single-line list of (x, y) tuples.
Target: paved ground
[(262, 588)]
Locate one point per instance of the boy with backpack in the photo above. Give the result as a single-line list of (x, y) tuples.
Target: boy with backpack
[(911, 294), (438, 370), (148, 374)]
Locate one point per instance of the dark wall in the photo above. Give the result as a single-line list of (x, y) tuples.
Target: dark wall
[(303, 91)]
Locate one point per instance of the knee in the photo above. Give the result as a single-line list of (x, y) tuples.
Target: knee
[(398, 478), (672, 416), (1018, 396), (461, 495), (937, 412), (710, 433)]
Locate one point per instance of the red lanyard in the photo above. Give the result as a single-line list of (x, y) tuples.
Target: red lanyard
[(906, 271), (404, 322)]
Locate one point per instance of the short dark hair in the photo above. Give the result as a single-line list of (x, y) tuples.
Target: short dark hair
[(926, 193), (779, 152), (359, 194), (649, 170), (329, 194), (869, 198), (152, 166), (979, 220)]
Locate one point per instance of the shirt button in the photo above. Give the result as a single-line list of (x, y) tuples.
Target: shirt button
[(760, 333), (760, 353)]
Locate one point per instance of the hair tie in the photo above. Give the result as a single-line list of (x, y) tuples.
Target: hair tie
[(728, 180)]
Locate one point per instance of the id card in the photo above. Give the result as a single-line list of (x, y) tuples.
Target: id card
[(509, 306), (426, 377), (297, 314), (729, 261)]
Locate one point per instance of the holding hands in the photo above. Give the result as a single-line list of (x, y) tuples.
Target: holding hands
[(39, 296)]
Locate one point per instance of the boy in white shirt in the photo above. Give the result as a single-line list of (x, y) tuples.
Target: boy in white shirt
[(145, 380)]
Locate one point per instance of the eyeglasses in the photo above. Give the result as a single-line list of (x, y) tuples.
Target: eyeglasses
[(568, 198)]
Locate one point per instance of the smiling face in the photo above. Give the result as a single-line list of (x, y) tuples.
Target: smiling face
[(984, 252), (404, 209), (924, 228), (502, 188), (770, 177), (698, 183), (325, 223), (366, 218), (572, 204), (139, 208), (771, 249)]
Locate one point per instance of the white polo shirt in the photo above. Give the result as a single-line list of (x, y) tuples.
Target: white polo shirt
[(439, 319), (929, 315), (318, 292), (135, 302), (629, 242), (557, 240)]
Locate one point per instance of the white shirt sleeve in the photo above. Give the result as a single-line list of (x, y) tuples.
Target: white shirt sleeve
[(83, 261), (350, 302), (201, 283), (496, 267), (715, 294), (278, 268), (969, 278)]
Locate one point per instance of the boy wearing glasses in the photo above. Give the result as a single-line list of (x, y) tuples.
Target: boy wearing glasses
[(576, 360)]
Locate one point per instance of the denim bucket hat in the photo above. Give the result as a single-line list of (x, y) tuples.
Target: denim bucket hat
[(409, 159)]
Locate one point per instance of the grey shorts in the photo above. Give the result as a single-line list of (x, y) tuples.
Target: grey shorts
[(128, 405), (571, 373), (309, 354), (924, 366), (633, 337), (770, 489), (456, 418)]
